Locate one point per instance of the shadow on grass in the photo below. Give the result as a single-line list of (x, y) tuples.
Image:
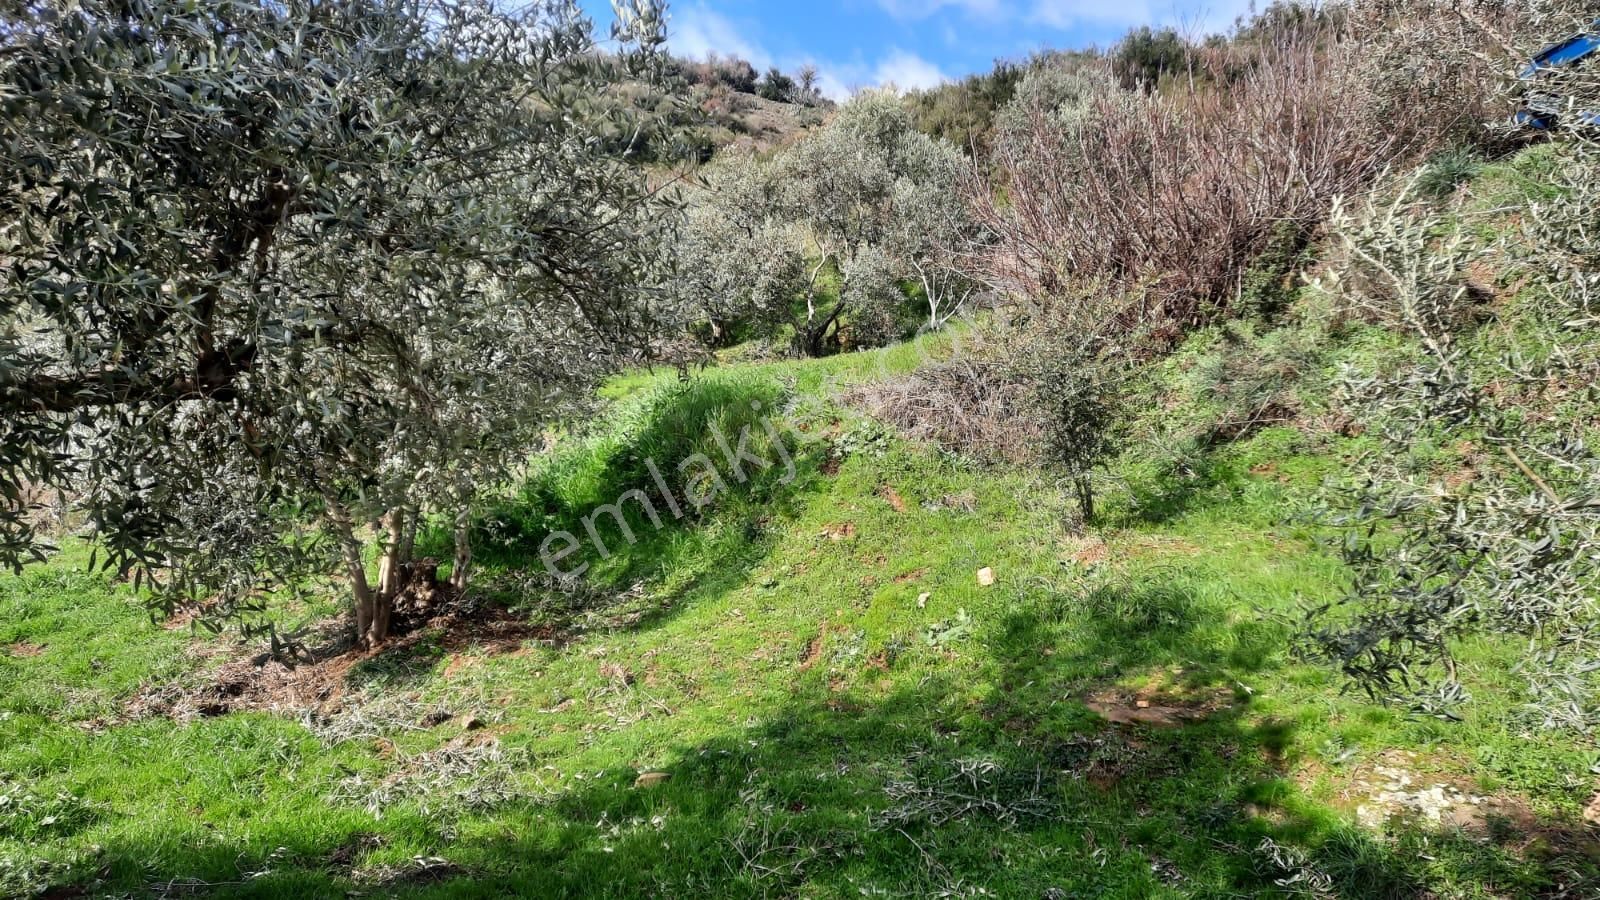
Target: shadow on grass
[(1268, 464), (905, 780), (684, 480), (1177, 489)]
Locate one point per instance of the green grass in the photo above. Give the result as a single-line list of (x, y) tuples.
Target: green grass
[(825, 734), (839, 706)]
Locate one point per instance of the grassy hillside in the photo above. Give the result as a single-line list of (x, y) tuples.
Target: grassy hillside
[(889, 671)]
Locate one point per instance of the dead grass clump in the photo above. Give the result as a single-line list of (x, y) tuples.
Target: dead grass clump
[(469, 773), (946, 791), (966, 406)]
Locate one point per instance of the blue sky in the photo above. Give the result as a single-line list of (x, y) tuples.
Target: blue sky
[(912, 43)]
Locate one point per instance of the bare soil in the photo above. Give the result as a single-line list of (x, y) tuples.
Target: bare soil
[(321, 680)]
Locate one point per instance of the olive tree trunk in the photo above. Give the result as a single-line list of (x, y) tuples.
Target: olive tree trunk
[(461, 572)]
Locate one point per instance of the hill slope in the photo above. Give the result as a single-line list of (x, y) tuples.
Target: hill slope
[(887, 671)]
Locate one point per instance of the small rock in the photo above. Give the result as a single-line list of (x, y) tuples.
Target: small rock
[(985, 576), (1591, 813), (922, 600), (650, 779)]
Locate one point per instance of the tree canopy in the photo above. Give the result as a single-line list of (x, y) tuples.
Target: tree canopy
[(283, 269)]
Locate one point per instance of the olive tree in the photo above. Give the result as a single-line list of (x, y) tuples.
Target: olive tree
[(869, 179), (283, 280), (932, 233), (864, 198), (738, 263), (1478, 510)]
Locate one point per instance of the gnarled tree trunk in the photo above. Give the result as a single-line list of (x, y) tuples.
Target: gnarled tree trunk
[(461, 572)]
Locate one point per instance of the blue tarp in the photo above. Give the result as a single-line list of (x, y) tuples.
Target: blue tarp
[(1541, 111)]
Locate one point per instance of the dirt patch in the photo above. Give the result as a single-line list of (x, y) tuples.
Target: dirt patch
[(323, 678), (1483, 282), (913, 575), (25, 649), (617, 674), (359, 845), (840, 532), (1087, 551), (966, 502), (1270, 471), (813, 652), (892, 497), (1399, 785), (1159, 545), (1155, 708)]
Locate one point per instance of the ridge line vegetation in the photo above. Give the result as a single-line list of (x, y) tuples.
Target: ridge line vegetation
[(1186, 484)]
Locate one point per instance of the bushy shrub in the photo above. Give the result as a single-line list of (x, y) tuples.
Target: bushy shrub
[(1146, 56), (1431, 71), (1056, 92), (1447, 170), (871, 289), (1479, 511), (1077, 385), (775, 86), (963, 112), (731, 72), (738, 266)]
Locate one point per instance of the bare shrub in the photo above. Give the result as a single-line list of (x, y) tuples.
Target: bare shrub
[(1173, 195), (967, 406)]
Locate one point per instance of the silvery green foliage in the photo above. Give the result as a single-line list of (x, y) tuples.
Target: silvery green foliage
[(1474, 513), (933, 231), (737, 262), (871, 285), (1060, 90), (869, 179), (763, 234), (274, 266)]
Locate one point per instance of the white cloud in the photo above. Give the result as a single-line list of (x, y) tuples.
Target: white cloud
[(907, 71), (1203, 15), (1068, 13), (1200, 15), (833, 86), (921, 9), (901, 70), (1219, 15), (697, 32)]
